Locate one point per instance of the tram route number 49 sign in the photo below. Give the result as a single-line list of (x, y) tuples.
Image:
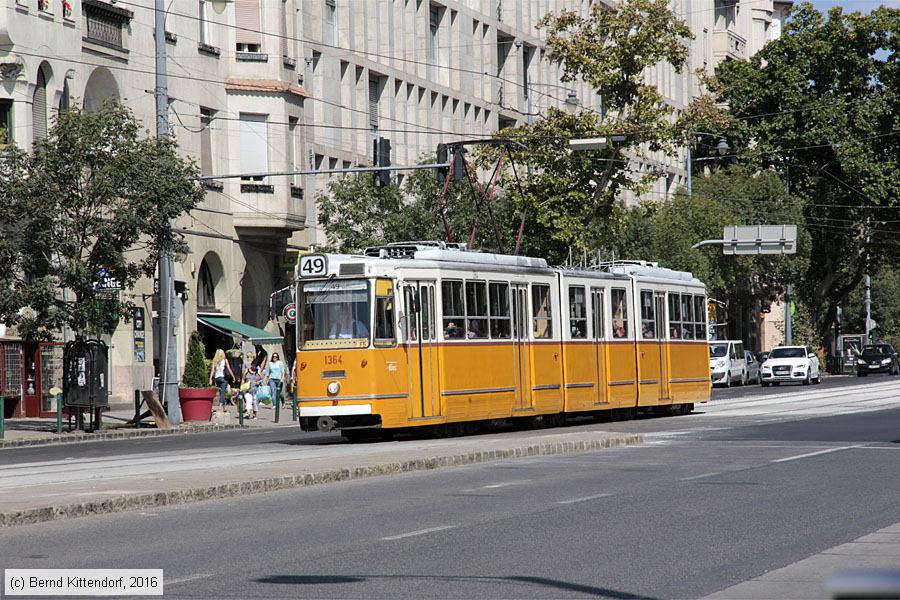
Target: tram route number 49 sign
[(313, 265)]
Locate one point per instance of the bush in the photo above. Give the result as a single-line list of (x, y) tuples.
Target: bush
[(196, 367)]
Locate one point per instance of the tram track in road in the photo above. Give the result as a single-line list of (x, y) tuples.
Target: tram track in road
[(625, 522)]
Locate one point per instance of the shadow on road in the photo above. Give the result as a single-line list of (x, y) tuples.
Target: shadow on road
[(556, 584)]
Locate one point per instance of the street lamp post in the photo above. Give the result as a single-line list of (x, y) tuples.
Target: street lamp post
[(722, 147)]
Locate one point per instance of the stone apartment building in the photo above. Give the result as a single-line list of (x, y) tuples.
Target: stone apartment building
[(264, 86)]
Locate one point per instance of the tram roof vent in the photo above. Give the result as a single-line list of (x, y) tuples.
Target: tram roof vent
[(409, 249), (647, 269)]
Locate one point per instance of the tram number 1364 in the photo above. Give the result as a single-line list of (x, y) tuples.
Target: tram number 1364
[(313, 265)]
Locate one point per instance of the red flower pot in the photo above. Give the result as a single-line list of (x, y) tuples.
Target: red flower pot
[(197, 404)]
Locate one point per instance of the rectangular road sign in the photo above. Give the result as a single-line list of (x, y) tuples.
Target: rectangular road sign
[(760, 239)]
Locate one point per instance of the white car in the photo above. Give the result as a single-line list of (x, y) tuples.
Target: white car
[(791, 363), (727, 362)]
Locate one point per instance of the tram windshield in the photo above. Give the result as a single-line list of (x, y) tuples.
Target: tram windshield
[(334, 314)]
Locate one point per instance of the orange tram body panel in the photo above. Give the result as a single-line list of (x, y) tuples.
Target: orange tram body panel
[(426, 334)]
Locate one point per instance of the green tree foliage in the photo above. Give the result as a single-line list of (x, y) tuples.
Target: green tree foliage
[(575, 197), (822, 106), (885, 305), (356, 214), (665, 231), (196, 367), (96, 194)]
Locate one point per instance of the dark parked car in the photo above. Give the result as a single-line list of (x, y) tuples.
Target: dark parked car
[(877, 358)]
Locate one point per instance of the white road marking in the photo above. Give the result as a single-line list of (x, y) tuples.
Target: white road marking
[(195, 577), (508, 483), (700, 476), (809, 454), (584, 499), (419, 532)]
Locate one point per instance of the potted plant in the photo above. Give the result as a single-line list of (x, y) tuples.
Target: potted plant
[(195, 393)]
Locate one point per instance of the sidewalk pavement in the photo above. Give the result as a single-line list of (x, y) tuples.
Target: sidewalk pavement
[(42, 431), (59, 489), (808, 578)]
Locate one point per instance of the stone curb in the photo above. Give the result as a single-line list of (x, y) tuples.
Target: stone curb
[(270, 484), (114, 435)]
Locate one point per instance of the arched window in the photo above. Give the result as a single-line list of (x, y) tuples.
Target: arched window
[(64, 99), (206, 289), (39, 107)]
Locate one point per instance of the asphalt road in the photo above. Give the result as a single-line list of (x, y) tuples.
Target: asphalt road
[(279, 437), (690, 512)]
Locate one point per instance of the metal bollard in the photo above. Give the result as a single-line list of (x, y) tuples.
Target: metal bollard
[(2, 416), (59, 413), (137, 409), (294, 404), (240, 406)]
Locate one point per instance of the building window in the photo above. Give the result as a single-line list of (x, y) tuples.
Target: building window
[(104, 23), (527, 53), (330, 32), (434, 23), (291, 148), (254, 140), (6, 122), (206, 288), (247, 35), (374, 96), (204, 24), (725, 14), (39, 107), (206, 158)]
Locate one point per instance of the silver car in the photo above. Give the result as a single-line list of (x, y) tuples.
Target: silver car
[(753, 373)]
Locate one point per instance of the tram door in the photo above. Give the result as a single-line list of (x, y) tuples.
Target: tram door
[(521, 351), (424, 365), (663, 346), (599, 331)]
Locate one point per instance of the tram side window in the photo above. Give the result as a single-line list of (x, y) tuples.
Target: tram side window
[(541, 311), (699, 318), (476, 310), (577, 312), (675, 324), (619, 311), (687, 316), (499, 306), (648, 316), (454, 311), (412, 318), (384, 314)]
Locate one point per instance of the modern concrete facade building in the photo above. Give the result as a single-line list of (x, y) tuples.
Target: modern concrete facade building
[(258, 86)]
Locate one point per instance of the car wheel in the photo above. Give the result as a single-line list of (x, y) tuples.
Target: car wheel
[(764, 383), (728, 379), (743, 380), (861, 374), (807, 380), (818, 379)]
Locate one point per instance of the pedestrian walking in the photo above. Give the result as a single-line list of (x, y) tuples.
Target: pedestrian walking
[(275, 375), (219, 373), (252, 381)]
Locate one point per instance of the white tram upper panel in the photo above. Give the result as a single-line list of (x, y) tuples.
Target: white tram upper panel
[(411, 259)]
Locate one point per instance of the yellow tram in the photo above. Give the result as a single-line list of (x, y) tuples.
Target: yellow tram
[(428, 334)]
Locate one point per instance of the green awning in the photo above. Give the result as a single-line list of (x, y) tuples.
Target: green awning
[(248, 332)]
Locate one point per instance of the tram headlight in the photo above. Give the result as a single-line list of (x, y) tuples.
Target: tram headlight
[(333, 388)]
